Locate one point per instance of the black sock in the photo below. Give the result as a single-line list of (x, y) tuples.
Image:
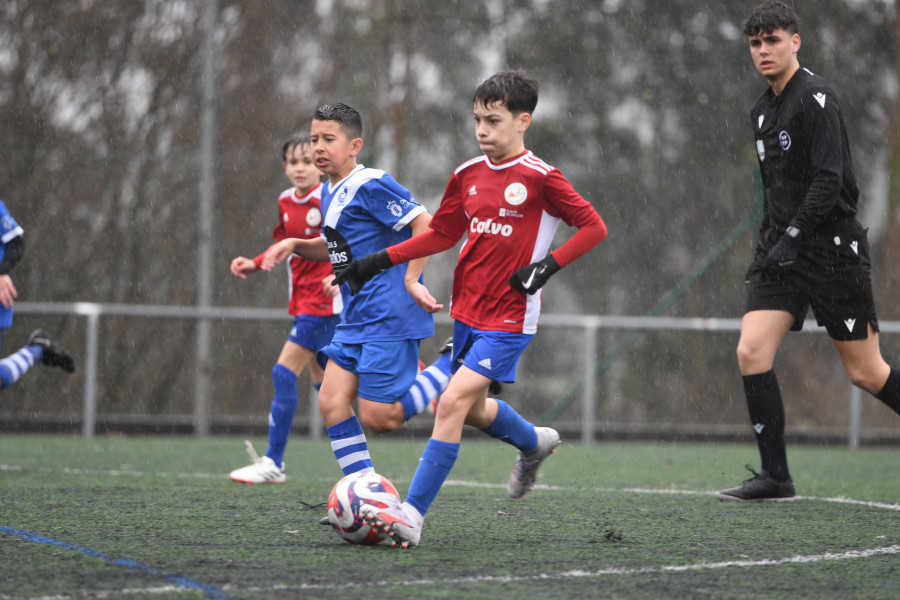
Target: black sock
[(767, 416), (890, 393)]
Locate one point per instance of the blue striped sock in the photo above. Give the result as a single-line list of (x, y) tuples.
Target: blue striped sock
[(512, 428), (281, 415), (434, 467), (428, 386), (349, 445), (14, 366)]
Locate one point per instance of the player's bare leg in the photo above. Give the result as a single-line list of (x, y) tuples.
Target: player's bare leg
[(863, 362), (762, 332)]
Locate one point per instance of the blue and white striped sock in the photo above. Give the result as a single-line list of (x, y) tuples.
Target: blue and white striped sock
[(428, 386), (348, 442), (14, 366)]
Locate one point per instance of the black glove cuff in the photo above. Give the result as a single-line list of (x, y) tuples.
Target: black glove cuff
[(381, 260), (551, 264)]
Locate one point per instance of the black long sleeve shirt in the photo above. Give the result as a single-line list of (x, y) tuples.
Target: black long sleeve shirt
[(804, 157)]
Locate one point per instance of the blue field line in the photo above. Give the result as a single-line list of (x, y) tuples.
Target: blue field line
[(181, 581)]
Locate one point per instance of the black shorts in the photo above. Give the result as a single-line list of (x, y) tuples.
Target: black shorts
[(832, 275)]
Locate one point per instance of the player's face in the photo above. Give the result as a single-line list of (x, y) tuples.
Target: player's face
[(500, 134), (775, 54), (300, 168), (334, 154)]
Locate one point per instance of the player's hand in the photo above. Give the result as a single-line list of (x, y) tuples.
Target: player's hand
[(8, 291), (358, 272), (783, 254), (423, 298), (328, 288), (277, 254), (531, 278), (242, 265)]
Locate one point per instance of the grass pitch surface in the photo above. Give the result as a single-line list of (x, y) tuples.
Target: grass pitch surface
[(158, 518)]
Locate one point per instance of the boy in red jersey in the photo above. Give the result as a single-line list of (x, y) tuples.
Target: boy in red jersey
[(315, 304), (508, 203)]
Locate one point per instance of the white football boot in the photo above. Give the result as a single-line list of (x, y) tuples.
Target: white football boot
[(403, 523), (524, 471), (263, 470)]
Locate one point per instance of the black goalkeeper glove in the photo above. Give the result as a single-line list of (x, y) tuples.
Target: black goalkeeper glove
[(783, 254), (531, 278), (358, 272)]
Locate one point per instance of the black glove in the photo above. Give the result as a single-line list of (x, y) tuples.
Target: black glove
[(358, 272), (531, 278), (783, 254)]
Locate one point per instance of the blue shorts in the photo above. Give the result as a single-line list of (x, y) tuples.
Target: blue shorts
[(386, 370), (313, 332), (494, 354)]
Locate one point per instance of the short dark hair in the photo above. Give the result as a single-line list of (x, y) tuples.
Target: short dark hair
[(347, 116), (770, 16), (298, 139), (516, 89)]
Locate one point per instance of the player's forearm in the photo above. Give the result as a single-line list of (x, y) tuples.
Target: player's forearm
[(428, 243), (579, 244), (820, 200), (312, 249)]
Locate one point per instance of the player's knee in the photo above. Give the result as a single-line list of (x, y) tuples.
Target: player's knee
[(864, 379), (746, 356), (382, 421)]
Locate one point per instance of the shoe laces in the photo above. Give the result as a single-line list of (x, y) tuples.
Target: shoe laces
[(254, 457), (752, 470)]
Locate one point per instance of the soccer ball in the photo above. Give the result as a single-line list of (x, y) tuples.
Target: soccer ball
[(349, 494)]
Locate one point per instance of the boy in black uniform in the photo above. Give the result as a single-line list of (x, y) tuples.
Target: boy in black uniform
[(811, 252)]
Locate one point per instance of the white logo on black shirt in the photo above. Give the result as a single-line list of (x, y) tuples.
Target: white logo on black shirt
[(785, 139), (820, 98)]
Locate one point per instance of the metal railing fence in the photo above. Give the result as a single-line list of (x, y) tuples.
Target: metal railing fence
[(585, 390)]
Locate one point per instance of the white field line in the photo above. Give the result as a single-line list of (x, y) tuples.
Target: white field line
[(166, 589), (828, 556), (450, 483)]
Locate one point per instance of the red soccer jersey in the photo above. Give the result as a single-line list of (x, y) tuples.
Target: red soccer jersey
[(509, 213), (301, 217)]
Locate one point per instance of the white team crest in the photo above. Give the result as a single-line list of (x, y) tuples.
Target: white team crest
[(515, 194), (820, 98), (313, 217), (395, 209), (785, 139)]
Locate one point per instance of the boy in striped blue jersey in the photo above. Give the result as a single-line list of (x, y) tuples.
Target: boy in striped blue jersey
[(40, 347)]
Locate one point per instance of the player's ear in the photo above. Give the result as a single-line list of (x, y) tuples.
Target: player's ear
[(795, 42), (523, 121), (356, 145)]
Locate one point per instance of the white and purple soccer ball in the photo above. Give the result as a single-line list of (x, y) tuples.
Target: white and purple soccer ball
[(347, 497)]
